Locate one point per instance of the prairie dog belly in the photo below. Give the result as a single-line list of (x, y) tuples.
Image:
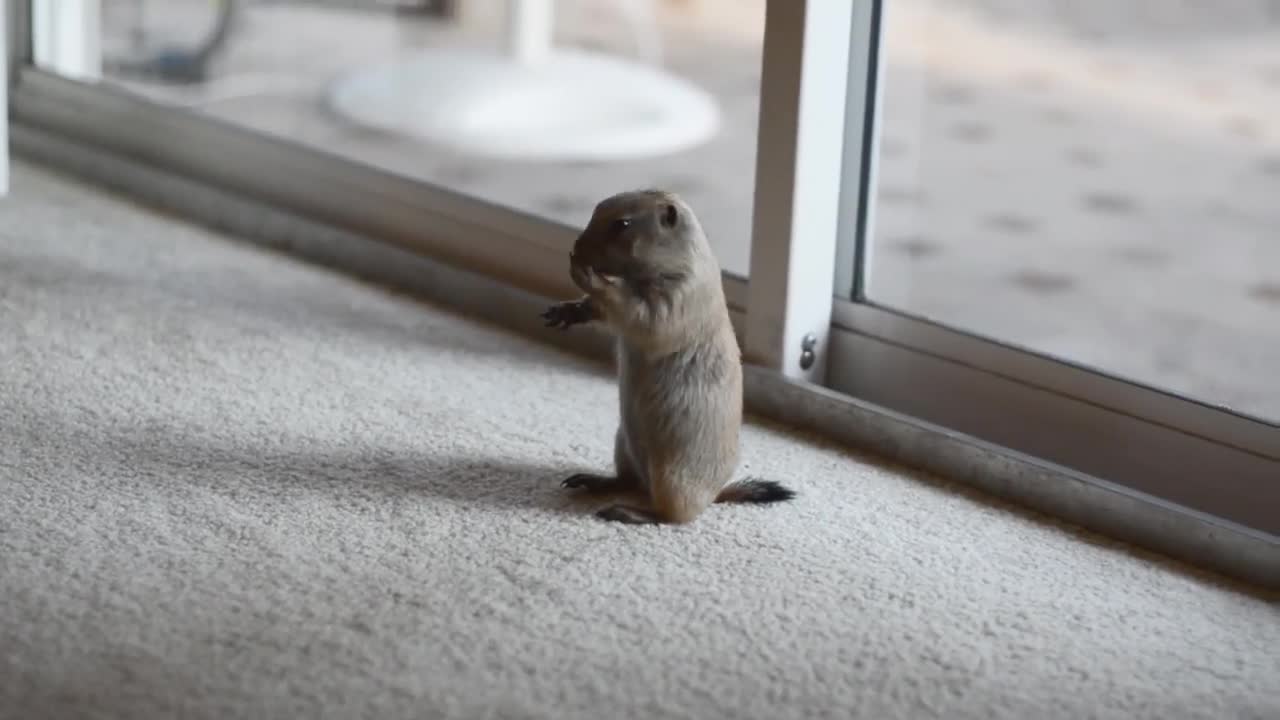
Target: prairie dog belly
[(682, 411)]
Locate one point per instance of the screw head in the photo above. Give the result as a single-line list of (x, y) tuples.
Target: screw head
[(807, 356)]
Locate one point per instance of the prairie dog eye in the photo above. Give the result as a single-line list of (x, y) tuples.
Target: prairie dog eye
[(621, 224)]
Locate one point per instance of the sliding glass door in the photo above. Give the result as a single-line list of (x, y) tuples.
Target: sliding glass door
[(1063, 235), (1093, 182)]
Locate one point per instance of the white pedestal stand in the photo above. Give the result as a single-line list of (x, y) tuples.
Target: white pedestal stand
[(533, 102)]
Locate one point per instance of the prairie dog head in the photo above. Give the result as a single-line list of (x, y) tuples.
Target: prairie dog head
[(646, 239)]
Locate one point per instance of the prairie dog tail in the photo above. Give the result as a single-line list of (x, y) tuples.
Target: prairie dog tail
[(755, 491)]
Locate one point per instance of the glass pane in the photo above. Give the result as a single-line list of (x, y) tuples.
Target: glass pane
[(540, 105), (1091, 179)]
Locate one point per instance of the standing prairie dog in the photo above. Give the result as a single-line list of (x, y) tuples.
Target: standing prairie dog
[(649, 274)]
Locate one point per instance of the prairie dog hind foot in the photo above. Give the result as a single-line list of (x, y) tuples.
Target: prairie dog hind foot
[(751, 491), (592, 483)]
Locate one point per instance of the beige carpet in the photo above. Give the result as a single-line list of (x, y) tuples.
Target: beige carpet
[(234, 486)]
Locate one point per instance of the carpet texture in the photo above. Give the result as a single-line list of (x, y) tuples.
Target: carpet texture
[(236, 486)]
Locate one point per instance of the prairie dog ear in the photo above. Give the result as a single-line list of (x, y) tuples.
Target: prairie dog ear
[(668, 215)]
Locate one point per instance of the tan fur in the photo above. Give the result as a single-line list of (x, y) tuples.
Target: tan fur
[(656, 284)]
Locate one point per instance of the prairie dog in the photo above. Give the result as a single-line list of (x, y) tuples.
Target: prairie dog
[(649, 274)]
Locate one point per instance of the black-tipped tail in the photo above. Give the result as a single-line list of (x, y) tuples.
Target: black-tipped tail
[(755, 491)]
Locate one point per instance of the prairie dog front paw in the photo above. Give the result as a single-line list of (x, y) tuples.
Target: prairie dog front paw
[(567, 314), (606, 287)]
